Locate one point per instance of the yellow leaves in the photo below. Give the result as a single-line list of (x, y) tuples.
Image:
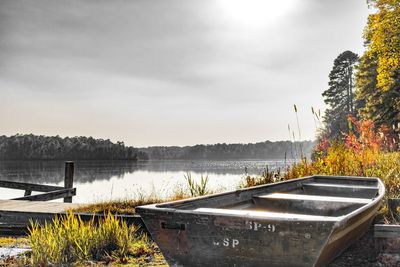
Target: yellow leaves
[(382, 34), (388, 65)]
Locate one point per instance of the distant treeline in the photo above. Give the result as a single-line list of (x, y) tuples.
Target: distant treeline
[(262, 150), (38, 147)]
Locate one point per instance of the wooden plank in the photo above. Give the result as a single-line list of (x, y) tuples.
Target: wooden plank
[(394, 205), (39, 208), (69, 179), (28, 206), (10, 217), (13, 229), (386, 231), (62, 193), (29, 186), (35, 206)]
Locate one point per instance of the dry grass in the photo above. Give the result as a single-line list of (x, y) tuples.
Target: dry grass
[(266, 177), (127, 206), (119, 206), (14, 242)]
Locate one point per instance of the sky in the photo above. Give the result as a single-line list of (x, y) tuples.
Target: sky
[(171, 72)]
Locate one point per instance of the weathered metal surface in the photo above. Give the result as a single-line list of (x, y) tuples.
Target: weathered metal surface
[(351, 191), (350, 229), (231, 229), (308, 204), (234, 241)]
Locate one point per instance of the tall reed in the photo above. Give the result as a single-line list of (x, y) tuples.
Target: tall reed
[(298, 128), (197, 189)]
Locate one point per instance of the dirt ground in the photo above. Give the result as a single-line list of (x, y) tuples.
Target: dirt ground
[(366, 252)]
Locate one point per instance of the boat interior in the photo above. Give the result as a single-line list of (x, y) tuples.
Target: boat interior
[(317, 198), (322, 197)]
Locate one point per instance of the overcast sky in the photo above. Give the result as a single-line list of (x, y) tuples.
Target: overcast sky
[(169, 72)]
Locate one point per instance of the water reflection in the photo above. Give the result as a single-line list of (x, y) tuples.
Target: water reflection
[(100, 180)]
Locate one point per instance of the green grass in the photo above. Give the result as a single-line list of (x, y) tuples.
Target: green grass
[(70, 240)]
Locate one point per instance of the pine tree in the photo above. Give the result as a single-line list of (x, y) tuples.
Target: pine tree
[(383, 107), (339, 96)]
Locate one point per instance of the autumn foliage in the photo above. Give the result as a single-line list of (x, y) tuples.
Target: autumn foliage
[(363, 152)]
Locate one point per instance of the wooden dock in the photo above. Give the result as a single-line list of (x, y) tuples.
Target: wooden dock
[(17, 214), (12, 206)]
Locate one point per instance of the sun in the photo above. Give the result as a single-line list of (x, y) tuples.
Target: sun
[(255, 13)]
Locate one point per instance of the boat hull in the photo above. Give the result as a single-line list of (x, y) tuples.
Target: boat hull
[(343, 237), (257, 227), (204, 240)]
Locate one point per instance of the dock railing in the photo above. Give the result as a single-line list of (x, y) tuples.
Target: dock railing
[(48, 192)]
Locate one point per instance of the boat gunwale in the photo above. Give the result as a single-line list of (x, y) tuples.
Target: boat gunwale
[(340, 221)]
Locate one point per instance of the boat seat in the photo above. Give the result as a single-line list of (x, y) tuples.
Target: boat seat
[(342, 190), (308, 204), (265, 214), (314, 198)]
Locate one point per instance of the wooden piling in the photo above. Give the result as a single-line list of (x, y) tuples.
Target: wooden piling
[(69, 178), (394, 205)]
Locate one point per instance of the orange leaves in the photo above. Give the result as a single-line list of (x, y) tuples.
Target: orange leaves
[(364, 137)]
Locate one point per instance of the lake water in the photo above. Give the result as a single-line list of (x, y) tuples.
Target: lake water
[(106, 180)]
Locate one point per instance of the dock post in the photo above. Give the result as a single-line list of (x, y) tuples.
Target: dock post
[(69, 178)]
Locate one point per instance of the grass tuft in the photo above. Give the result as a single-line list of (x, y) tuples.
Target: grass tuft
[(69, 240), (197, 189)]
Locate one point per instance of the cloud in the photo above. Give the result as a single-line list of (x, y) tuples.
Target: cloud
[(163, 65)]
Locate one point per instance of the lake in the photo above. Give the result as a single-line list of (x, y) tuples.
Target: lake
[(105, 180)]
